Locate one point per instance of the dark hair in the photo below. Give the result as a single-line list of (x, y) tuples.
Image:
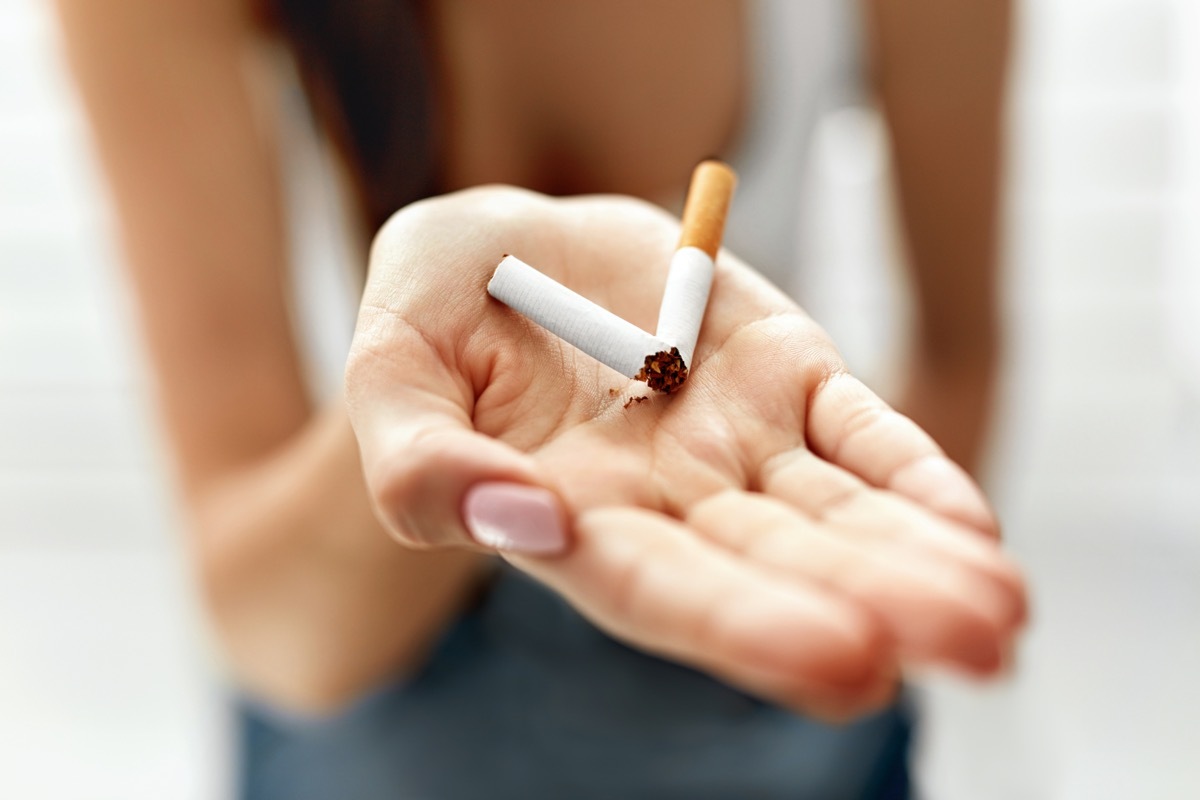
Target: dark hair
[(366, 67)]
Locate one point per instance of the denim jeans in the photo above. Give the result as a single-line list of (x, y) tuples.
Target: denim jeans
[(523, 699)]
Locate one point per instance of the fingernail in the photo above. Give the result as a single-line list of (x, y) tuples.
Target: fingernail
[(515, 518), (946, 488)]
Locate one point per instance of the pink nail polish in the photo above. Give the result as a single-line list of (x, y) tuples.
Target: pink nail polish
[(515, 518)]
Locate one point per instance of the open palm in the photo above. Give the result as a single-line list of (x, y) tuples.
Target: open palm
[(773, 523)]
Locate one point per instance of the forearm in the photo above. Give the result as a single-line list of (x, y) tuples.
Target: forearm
[(940, 69), (313, 601), (953, 400)]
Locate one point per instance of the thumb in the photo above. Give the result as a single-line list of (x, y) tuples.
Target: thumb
[(436, 482)]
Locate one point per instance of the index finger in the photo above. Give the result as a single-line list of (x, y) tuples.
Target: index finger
[(849, 425)]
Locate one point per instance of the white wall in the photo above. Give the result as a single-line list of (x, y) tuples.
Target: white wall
[(105, 683), (1098, 456)]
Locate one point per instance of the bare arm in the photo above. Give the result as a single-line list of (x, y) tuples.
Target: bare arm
[(940, 72), (312, 599)]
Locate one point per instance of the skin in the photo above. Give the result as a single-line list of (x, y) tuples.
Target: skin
[(939, 69), (795, 501), (774, 522)]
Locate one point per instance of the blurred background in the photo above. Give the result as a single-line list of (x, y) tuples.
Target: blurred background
[(108, 683)]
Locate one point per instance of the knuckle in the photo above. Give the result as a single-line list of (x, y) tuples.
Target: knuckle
[(396, 483), (866, 650), (864, 654), (396, 228), (853, 655), (416, 482), (713, 507), (360, 366), (1012, 589), (1000, 594)]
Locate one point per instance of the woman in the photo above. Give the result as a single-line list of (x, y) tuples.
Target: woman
[(775, 528)]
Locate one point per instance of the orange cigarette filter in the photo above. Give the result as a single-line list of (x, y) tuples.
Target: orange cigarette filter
[(707, 206)]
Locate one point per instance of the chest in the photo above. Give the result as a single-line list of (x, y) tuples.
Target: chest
[(573, 96)]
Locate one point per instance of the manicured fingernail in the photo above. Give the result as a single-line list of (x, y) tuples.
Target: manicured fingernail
[(946, 488), (515, 518)]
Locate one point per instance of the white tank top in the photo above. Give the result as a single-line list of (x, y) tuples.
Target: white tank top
[(805, 57), (805, 60)]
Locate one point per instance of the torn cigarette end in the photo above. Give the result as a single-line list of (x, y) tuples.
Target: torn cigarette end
[(664, 371), (707, 206)]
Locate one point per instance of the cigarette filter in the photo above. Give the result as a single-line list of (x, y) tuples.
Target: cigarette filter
[(661, 360)]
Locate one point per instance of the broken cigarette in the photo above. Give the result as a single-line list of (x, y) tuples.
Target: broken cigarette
[(661, 360), (690, 278), (572, 317)]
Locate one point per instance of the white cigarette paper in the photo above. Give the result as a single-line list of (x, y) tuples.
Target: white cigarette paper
[(684, 300), (573, 318), (663, 360)]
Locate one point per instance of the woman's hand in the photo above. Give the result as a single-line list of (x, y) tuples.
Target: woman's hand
[(773, 523)]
